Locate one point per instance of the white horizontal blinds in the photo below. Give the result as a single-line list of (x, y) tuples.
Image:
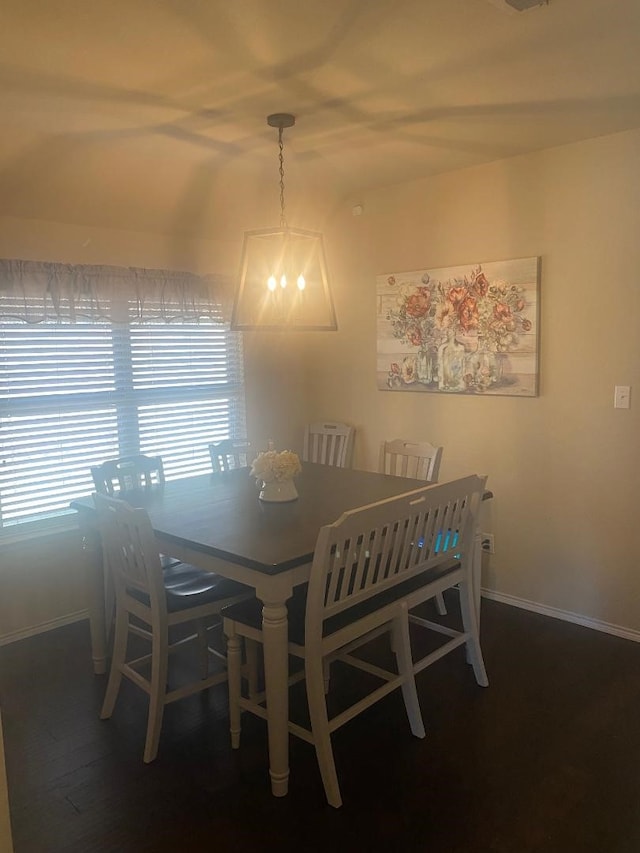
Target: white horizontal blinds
[(57, 414), (189, 386), (74, 395)]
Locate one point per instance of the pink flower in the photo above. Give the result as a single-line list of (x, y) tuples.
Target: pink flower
[(480, 283), (414, 336), (456, 295), (468, 313), (418, 303), (502, 311)]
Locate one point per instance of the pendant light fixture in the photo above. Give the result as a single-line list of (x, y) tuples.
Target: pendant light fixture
[(283, 282)]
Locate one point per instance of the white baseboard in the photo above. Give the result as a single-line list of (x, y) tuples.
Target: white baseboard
[(504, 598), (14, 636), (565, 615)]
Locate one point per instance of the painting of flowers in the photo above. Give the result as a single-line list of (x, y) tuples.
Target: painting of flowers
[(460, 330)]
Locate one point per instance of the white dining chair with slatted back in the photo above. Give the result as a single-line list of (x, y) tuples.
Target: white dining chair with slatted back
[(228, 454), (369, 567), (128, 473), (143, 595), (329, 442), (419, 460)]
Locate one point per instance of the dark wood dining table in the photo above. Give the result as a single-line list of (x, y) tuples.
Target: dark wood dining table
[(217, 522)]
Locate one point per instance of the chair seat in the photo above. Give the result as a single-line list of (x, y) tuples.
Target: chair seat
[(187, 586), (249, 611), (176, 574)]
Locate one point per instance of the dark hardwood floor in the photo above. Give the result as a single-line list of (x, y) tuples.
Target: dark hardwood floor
[(546, 759)]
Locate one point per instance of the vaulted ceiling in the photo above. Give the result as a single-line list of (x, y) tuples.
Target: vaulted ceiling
[(150, 114)]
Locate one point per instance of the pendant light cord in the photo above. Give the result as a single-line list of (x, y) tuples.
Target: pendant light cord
[(283, 219)]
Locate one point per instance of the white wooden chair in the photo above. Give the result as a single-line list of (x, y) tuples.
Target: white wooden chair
[(117, 477), (369, 568), (329, 443), (228, 454), (419, 460), (158, 603), (127, 473)]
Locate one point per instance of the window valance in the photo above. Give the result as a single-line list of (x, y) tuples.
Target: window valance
[(37, 291)]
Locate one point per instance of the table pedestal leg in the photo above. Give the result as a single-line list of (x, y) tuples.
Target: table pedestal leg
[(276, 666)]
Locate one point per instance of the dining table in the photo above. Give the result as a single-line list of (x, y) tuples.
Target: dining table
[(217, 522)]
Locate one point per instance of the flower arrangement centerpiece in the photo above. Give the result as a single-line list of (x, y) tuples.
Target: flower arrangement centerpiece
[(274, 472), (459, 328)]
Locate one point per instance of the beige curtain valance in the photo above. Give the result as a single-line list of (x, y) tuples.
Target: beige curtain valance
[(37, 291)]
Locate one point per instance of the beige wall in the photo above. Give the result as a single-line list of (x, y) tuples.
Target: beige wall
[(41, 581), (563, 466)]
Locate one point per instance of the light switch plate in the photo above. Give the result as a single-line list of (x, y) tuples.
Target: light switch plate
[(622, 397)]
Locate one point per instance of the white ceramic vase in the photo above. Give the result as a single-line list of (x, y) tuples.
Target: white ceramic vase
[(278, 491)]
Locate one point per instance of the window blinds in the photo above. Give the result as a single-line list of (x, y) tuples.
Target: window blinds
[(72, 396)]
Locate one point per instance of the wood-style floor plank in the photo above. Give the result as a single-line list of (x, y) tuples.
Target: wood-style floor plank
[(545, 760)]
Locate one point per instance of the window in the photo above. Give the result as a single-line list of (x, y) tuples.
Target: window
[(76, 394)]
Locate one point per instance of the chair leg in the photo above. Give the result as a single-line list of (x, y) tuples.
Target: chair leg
[(326, 669), (440, 605), (251, 655), (158, 687), (117, 660), (203, 648), (109, 605), (234, 679), (314, 672), (402, 647), (470, 625)]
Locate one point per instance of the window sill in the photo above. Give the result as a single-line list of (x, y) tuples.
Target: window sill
[(30, 530)]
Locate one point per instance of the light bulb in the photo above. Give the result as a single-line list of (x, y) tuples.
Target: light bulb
[(271, 283), (301, 282), (283, 281)]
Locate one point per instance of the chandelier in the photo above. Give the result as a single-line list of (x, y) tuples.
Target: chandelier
[(283, 282)]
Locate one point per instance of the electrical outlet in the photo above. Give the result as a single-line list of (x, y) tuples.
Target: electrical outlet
[(621, 396), (486, 541)]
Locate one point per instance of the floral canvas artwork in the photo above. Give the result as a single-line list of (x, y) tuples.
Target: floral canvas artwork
[(460, 330)]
